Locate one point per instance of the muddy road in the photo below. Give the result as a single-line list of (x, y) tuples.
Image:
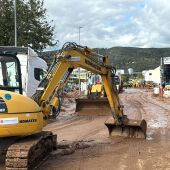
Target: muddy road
[(84, 143), (86, 146)]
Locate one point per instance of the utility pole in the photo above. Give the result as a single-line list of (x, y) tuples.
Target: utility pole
[(79, 67), (79, 33), (15, 22)]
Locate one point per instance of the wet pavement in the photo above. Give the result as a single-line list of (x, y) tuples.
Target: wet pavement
[(119, 153), (85, 144)]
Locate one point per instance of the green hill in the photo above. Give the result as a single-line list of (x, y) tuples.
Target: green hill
[(137, 58), (128, 57)]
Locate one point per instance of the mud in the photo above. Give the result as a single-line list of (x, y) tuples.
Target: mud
[(84, 143), (106, 153)]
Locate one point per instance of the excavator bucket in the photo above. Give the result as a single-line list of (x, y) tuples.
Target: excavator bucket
[(132, 129), (85, 106)]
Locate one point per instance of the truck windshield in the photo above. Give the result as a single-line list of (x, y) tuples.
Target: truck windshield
[(10, 76)]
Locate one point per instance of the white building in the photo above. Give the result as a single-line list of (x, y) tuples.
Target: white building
[(130, 71), (152, 75), (74, 77)]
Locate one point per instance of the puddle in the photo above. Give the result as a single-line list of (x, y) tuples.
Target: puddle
[(156, 124), (149, 136)]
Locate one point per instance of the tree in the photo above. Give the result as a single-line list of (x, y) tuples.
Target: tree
[(125, 77), (6, 22), (139, 76), (33, 29)]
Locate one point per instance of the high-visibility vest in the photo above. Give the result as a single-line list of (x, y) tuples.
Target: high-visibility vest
[(96, 88)]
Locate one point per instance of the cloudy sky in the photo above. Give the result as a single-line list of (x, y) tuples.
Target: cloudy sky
[(108, 23)]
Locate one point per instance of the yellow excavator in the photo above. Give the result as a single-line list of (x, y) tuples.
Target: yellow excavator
[(22, 142)]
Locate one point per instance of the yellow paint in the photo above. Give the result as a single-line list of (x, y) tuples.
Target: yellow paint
[(21, 129), (26, 113), (19, 103)]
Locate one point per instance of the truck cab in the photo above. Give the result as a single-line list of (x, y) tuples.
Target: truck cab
[(21, 70)]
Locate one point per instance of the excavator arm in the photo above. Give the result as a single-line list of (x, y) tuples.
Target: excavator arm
[(73, 56)]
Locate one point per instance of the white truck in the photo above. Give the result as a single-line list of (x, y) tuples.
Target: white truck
[(32, 69)]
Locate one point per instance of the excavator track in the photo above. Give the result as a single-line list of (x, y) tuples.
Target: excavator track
[(28, 152)]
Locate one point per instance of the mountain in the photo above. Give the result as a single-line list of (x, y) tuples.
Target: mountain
[(137, 58), (128, 57)]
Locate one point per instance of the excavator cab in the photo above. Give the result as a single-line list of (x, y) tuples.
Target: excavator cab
[(10, 73)]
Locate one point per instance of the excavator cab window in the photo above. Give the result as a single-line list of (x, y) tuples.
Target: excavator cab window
[(39, 74), (116, 79), (10, 73)]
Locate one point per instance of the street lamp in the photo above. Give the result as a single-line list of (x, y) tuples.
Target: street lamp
[(79, 67), (15, 23), (79, 33)]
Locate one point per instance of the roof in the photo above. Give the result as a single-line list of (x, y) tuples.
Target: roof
[(19, 50)]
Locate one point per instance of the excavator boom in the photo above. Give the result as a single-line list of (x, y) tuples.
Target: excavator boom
[(73, 56)]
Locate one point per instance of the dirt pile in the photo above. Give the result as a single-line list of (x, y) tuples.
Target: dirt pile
[(66, 147)]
